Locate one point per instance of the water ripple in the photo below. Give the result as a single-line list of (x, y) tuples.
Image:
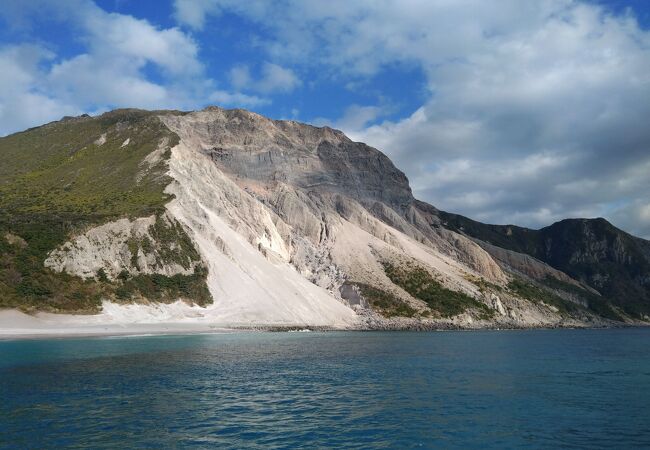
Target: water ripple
[(564, 388)]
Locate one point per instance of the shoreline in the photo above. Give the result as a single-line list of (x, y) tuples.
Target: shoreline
[(111, 334), (17, 325)]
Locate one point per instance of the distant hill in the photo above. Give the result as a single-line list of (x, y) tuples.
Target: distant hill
[(593, 251)]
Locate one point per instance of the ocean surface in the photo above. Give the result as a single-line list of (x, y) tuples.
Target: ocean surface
[(479, 389)]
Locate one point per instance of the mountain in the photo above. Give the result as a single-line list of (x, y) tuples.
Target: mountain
[(593, 251), (228, 217)]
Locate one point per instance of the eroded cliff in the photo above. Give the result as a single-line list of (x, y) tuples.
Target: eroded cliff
[(261, 223)]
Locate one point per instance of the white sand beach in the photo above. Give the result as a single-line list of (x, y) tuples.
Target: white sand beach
[(18, 325)]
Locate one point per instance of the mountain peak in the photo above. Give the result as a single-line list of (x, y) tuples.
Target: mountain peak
[(265, 221)]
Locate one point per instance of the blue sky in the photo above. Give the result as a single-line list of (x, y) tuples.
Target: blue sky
[(509, 111)]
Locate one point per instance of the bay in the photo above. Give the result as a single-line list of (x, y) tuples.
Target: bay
[(478, 389)]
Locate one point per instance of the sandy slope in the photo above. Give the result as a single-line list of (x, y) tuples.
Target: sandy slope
[(113, 321), (248, 287)]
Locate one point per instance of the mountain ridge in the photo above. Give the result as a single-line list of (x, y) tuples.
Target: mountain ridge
[(611, 258), (156, 206)]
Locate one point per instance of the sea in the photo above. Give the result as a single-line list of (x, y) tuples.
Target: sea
[(369, 390)]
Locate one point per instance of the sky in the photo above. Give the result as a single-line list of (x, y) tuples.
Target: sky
[(508, 111)]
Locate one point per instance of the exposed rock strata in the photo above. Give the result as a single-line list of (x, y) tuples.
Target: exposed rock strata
[(311, 202), (122, 245), (289, 219)]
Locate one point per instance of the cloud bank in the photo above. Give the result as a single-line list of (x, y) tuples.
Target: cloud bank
[(536, 111)]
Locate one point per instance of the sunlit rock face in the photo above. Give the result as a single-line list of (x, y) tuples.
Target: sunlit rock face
[(278, 223), (314, 205)]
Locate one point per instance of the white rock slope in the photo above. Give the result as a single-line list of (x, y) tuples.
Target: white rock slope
[(249, 286), (290, 220), (285, 213)]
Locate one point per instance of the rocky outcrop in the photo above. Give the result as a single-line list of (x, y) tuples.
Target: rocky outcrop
[(146, 245), (246, 249), (525, 264)]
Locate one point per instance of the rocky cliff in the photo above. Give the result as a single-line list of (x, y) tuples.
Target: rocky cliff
[(255, 222), (608, 261)]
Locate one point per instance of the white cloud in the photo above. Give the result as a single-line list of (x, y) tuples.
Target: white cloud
[(20, 65), (22, 103), (537, 110), (277, 79), (354, 119), (273, 78), (122, 36), (89, 80), (634, 216), (123, 62), (225, 98), (193, 12), (37, 86), (240, 77)]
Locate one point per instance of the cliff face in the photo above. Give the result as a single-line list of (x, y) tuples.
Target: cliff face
[(308, 200), (265, 222)]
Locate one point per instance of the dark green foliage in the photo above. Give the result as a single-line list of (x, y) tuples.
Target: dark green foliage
[(124, 292), (25, 283), (484, 285), (418, 282), (164, 288), (48, 291), (175, 244), (123, 275), (170, 243), (101, 276), (30, 287), (133, 246), (536, 294), (147, 246), (511, 237), (384, 302)]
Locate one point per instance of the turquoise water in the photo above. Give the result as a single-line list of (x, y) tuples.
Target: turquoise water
[(492, 389)]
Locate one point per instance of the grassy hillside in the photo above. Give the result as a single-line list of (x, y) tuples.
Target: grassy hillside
[(64, 177)]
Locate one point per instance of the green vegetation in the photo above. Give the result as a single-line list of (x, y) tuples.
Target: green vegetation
[(483, 285), (175, 244), (133, 246), (101, 276), (387, 304), (418, 282), (595, 302), (170, 243), (59, 179), (60, 168), (537, 294), (26, 284), (161, 288)]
